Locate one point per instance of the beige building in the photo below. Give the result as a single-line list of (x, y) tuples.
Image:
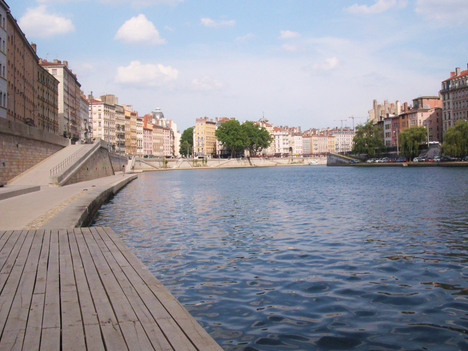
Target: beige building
[(69, 97), (120, 129), (46, 111), (130, 130), (204, 138)]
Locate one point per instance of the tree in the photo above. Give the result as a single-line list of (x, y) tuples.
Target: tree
[(456, 140), (233, 136), (368, 140), (258, 138), (410, 139), (186, 142)]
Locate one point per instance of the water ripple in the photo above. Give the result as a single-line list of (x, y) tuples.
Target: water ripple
[(307, 258)]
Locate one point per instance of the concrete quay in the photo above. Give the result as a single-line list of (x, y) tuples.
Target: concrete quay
[(56, 207)]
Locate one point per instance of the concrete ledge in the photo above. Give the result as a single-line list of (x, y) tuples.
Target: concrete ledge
[(81, 211), (12, 191)]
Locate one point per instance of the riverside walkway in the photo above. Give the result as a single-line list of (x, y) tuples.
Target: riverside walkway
[(68, 287)]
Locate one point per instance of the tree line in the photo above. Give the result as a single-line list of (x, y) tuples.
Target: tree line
[(369, 140), (234, 136)]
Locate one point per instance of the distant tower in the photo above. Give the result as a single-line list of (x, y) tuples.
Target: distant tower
[(158, 116)]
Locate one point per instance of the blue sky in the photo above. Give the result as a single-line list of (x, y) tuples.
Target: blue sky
[(305, 63)]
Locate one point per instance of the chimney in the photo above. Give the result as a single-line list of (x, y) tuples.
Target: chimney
[(34, 47), (398, 107), (65, 63), (55, 61), (405, 107), (452, 74)]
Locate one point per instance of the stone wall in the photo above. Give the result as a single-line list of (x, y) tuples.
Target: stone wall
[(116, 163), (23, 146), (98, 165)]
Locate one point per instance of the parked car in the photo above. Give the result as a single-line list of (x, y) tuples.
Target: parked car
[(371, 160), (402, 159), (465, 158), (437, 159), (428, 159), (444, 159)]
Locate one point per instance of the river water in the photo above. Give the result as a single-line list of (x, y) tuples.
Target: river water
[(307, 257)]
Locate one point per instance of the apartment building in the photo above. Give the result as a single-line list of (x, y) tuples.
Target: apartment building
[(69, 97), (20, 73), (343, 138), (454, 94), (102, 117), (204, 138), (281, 140)]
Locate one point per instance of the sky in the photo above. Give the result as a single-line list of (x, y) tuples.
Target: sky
[(307, 63)]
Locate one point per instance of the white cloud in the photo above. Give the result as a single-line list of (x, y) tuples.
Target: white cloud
[(38, 22), (148, 75), (290, 47), (328, 64), (206, 84), (379, 7), (208, 22), (139, 30), (245, 37), (451, 11), (288, 34)]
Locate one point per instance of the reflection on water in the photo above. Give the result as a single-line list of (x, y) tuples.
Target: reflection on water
[(307, 258)]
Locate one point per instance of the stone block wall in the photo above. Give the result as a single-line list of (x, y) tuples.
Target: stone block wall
[(97, 166), (23, 146)]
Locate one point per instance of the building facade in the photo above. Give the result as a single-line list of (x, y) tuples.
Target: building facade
[(204, 138), (69, 97), (21, 75), (454, 94), (4, 10)]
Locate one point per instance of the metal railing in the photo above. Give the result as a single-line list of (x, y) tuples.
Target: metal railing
[(73, 157)]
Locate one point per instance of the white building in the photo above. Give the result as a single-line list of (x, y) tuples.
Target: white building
[(281, 141), (343, 139), (295, 143)]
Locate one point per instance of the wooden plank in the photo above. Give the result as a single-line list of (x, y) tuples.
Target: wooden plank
[(50, 340), (26, 267), (119, 301), (72, 326), (11, 284), (5, 235), (198, 336), (52, 294), (113, 338), (8, 255), (154, 333), (32, 337), (90, 321)]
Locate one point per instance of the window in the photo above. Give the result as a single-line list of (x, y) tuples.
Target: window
[(54, 71)]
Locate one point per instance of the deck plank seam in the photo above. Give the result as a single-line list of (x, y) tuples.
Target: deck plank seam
[(152, 282), (115, 250)]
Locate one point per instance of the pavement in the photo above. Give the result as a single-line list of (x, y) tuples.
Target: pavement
[(56, 207)]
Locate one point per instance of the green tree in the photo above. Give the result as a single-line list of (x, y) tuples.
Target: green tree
[(368, 140), (456, 140), (258, 138), (186, 142), (410, 139), (233, 136)]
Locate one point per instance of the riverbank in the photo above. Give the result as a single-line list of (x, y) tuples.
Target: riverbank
[(69, 206)]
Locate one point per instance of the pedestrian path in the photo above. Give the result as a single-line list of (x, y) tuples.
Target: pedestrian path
[(19, 211), (83, 289), (40, 173)]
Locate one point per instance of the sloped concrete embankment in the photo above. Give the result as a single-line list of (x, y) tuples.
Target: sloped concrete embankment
[(95, 163), (81, 211)]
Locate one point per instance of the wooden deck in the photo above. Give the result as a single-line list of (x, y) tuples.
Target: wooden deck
[(83, 289)]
